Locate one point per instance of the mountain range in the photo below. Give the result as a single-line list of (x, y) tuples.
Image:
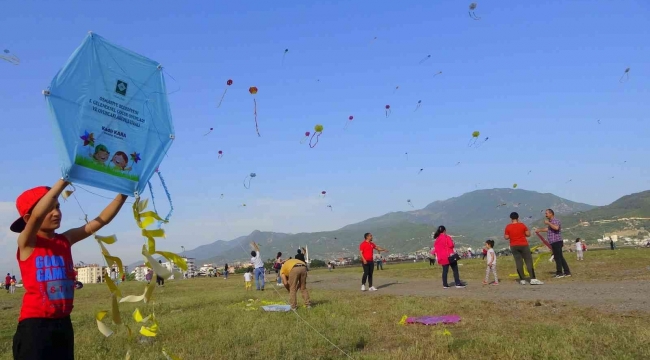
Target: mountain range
[(470, 219)]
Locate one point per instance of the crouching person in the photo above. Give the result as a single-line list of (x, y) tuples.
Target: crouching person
[(294, 275)]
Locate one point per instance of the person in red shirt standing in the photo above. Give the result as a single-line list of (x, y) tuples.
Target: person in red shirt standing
[(7, 281), (45, 259), (366, 249), (517, 232)]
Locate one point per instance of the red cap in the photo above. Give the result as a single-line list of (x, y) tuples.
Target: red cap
[(25, 203)]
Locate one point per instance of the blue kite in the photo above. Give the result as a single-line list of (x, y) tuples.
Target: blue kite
[(111, 117)]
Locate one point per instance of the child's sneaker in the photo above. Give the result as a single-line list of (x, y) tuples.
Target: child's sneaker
[(461, 286), (522, 282), (495, 283), (559, 276), (372, 288), (485, 283)]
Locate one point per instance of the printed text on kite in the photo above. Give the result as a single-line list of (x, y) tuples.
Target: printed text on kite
[(253, 91), (307, 133), (9, 57), (249, 178), (120, 102), (472, 7), (228, 83), (387, 107), (318, 130)]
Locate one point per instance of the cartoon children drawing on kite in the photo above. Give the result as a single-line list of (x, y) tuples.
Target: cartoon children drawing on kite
[(101, 154), (120, 160)]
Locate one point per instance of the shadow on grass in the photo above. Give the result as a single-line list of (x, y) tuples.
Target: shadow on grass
[(386, 285)]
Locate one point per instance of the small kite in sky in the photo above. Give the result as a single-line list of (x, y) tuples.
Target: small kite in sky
[(458, 163), (472, 7), (221, 196), (474, 138), (220, 153), (323, 193), (569, 181), (418, 105), (307, 133), (330, 206), (9, 57), (253, 91), (387, 107), (514, 186), (318, 130), (438, 73), (228, 83), (502, 204), (208, 132), (425, 59), (350, 118), (598, 121), (626, 75), (285, 54), (373, 39), (529, 171), (249, 178), (407, 155), (421, 170), (396, 88), (410, 203), (242, 205)]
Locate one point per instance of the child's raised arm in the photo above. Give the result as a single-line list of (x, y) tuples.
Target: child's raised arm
[(107, 215), (27, 238)]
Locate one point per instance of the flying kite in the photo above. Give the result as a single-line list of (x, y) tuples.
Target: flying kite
[(482, 142), (318, 130), (514, 186), (373, 39), (407, 155), (323, 193), (425, 59), (9, 57), (220, 154), (626, 76), (472, 7), (249, 178), (285, 54), (221, 196), (418, 105), (228, 83), (421, 170), (396, 88), (409, 202), (387, 110), (502, 204), (438, 73), (474, 139), (307, 133), (120, 102), (529, 171), (208, 132), (253, 91), (330, 206), (350, 118)]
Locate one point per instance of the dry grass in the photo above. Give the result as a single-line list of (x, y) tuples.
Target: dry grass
[(197, 323)]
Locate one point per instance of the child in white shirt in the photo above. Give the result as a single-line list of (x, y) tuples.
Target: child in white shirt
[(491, 259), (248, 278), (579, 249)]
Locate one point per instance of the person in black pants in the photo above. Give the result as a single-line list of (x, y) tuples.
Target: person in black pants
[(159, 280), (554, 232), (367, 249)]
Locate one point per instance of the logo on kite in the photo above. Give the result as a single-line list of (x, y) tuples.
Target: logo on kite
[(110, 122), (121, 87)]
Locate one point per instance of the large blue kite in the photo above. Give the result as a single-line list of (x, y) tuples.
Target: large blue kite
[(111, 117)]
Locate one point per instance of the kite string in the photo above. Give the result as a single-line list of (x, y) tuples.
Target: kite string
[(317, 134), (255, 112), (305, 321)]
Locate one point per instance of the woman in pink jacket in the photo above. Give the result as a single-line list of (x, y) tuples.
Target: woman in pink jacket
[(443, 247)]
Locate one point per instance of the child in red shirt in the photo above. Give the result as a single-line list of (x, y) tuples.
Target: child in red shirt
[(45, 259)]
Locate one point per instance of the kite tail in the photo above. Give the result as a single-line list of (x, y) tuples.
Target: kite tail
[(303, 140), (255, 112), (312, 137), (249, 182), (222, 96)]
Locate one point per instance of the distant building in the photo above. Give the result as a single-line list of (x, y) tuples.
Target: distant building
[(90, 274), (140, 273), (191, 268)]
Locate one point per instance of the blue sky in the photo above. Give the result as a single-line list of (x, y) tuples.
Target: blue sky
[(533, 77)]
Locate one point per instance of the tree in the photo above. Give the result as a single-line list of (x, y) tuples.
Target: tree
[(317, 263)]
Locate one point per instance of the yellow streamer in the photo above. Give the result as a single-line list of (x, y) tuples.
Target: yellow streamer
[(150, 214), (403, 320), (154, 233), (178, 261), (105, 330), (150, 331), (107, 239), (157, 268), (115, 311), (110, 260), (112, 287), (137, 316), (170, 356)]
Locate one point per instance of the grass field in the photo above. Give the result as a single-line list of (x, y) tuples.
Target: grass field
[(197, 321), (89, 163)]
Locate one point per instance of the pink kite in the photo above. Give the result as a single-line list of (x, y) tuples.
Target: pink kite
[(434, 320), (544, 241)]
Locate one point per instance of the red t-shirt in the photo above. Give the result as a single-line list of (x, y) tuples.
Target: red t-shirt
[(367, 249), (517, 233), (48, 279), (8, 280)]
